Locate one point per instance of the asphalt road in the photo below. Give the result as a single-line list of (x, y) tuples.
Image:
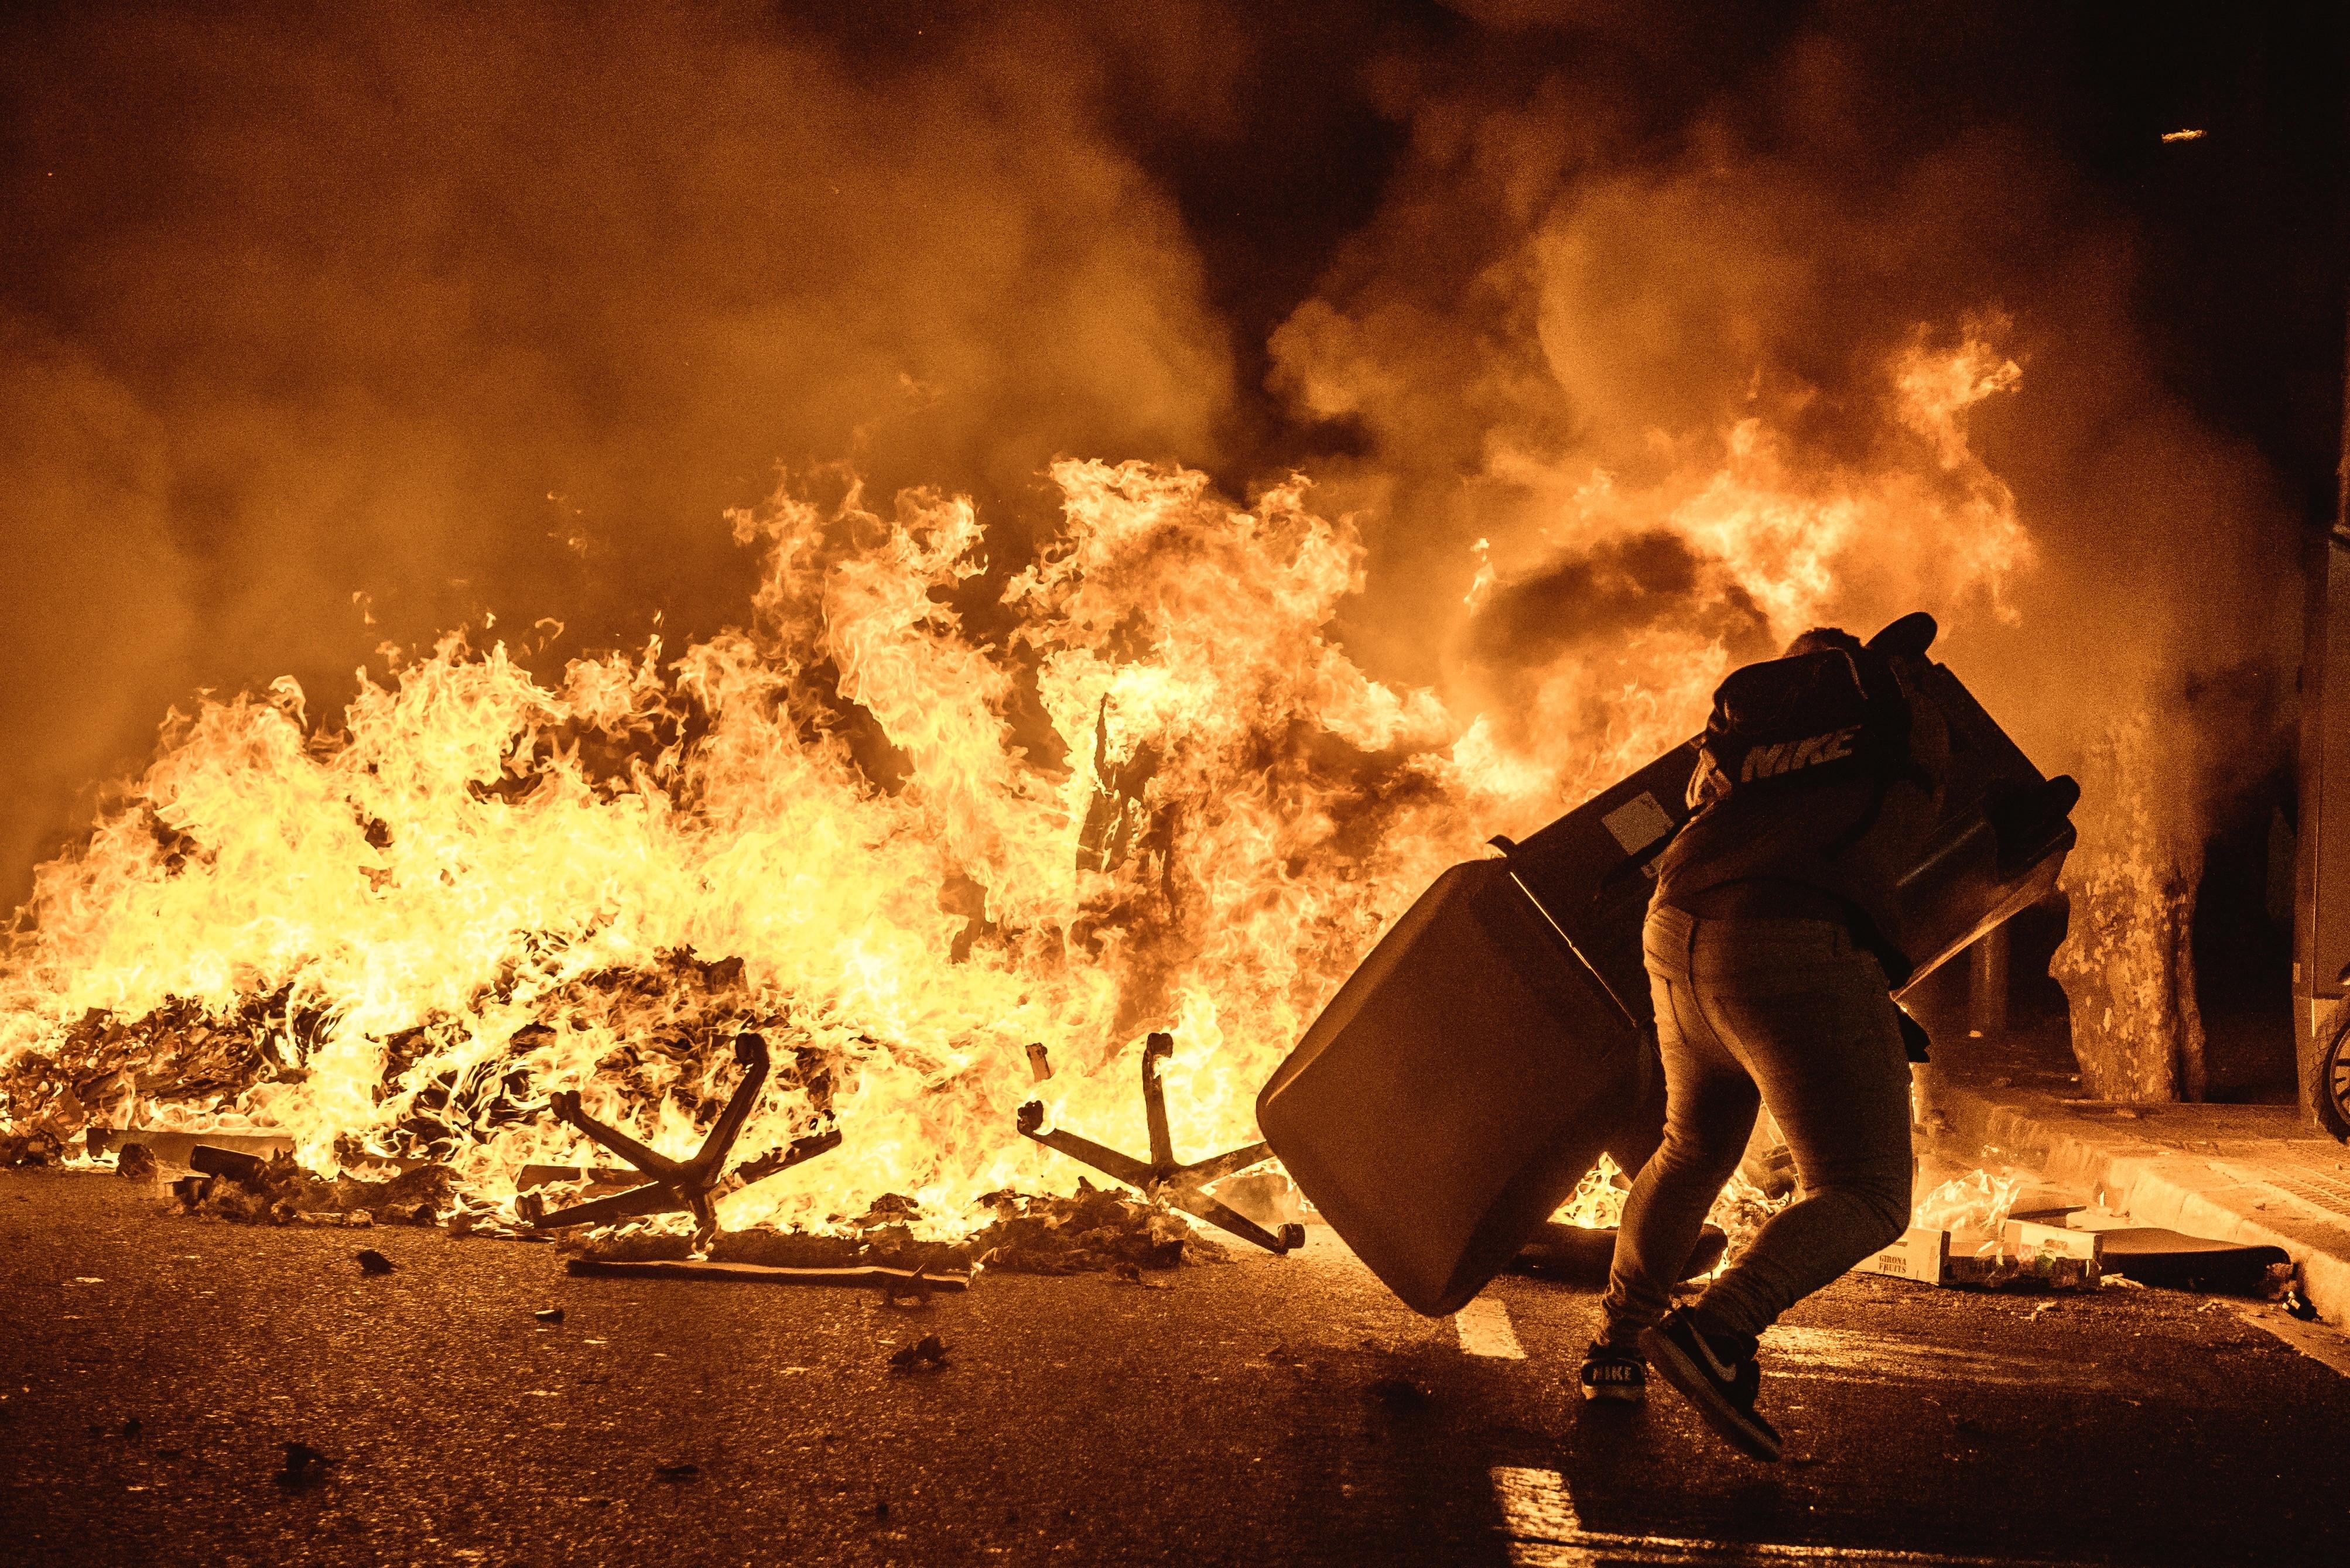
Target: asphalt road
[(1271, 1410)]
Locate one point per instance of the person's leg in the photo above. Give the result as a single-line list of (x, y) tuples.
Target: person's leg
[(1710, 1109), (1812, 1021)]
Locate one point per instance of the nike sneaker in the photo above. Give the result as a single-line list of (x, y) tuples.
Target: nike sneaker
[(1716, 1373), (1615, 1373)]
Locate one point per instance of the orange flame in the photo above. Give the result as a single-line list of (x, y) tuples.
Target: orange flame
[(1156, 793)]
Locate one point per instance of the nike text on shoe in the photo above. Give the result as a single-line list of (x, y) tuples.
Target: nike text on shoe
[(1717, 1375), (1615, 1373)]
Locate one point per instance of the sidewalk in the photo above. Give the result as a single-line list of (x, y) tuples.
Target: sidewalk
[(2259, 1174)]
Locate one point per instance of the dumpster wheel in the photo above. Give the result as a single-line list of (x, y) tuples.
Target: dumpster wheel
[(2334, 1083)]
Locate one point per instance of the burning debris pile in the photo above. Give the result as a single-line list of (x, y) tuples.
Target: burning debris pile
[(665, 1020), (867, 831), (925, 813), (247, 1190), (104, 1069)]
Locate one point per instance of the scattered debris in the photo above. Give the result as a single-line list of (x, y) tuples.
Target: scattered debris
[(866, 1277), (95, 1069), (1089, 1232), (1267, 1197), (169, 1146), (33, 1146), (549, 1315), (912, 1293), (209, 1159), (305, 1466), (2024, 1254), (2021, 1255), (1130, 1274), (2297, 1306), (1161, 1179), (374, 1263), (249, 1189), (134, 1163), (928, 1354), (185, 1052), (1040, 1063)]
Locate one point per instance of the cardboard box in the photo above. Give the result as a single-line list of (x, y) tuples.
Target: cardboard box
[(2025, 1240), (2024, 1254), (1920, 1254)]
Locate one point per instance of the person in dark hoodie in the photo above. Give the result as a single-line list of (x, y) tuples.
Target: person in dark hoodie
[(1772, 986)]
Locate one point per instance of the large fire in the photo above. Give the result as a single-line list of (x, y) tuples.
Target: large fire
[(1147, 790)]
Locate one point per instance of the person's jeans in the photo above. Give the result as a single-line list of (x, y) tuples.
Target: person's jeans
[(1790, 1012)]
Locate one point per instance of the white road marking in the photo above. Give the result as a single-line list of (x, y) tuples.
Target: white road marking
[(1539, 1514), (1545, 1530), (1485, 1330)]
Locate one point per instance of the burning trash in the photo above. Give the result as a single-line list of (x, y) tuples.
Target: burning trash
[(1093, 1231), (401, 937), (247, 1190), (401, 942), (1161, 1179)]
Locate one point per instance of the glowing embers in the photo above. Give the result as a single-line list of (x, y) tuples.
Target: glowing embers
[(689, 1186), (1161, 1179)]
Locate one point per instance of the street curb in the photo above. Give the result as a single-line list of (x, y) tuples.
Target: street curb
[(2157, 1185)]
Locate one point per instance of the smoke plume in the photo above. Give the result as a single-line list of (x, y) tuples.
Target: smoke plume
[(331, 327), (1629, 340), (1651, 393)]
